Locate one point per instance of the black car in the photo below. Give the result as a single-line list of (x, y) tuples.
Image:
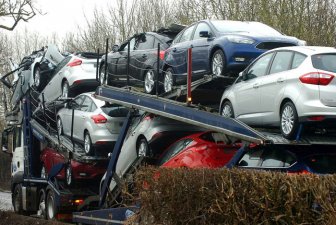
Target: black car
[(319, 159), (143, 60)]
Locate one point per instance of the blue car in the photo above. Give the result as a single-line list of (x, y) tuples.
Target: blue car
[(300, 159), (219, 47)]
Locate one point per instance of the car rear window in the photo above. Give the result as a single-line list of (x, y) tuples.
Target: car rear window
[(115, 111), (324, 164), (325, 62)]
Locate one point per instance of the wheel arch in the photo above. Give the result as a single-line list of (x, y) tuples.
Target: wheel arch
[(213, 50)]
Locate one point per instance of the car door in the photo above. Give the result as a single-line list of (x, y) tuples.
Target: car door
[(117, 63), (200, 50), (247, 93), (53, 88), (272, 86), (80, 118), (177, 55), (144, 48), (73, 106)]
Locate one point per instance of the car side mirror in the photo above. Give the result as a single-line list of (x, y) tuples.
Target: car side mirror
[(115, 48), (204, 34)]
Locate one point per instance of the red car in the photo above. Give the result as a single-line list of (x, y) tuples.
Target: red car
[(206, 149), (77, 171)]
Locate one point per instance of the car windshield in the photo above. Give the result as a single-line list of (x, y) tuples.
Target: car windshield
[(325, 62), (224, 26), (323, 164)]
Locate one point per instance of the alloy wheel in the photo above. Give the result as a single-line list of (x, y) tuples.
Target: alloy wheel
[(143, 148), (102, 76), (43, 173), (68, 175), (59, 126), (37, 78), (287, 119), (65, 90), (149, 81), (227, 111), (87, 143), (168, 81), (217, 64)]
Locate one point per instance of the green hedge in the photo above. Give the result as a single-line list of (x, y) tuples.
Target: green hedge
[(204, 196)]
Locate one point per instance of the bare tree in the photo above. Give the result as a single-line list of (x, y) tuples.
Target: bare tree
[(14, 11)]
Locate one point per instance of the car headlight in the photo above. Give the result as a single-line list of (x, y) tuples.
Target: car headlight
[(302, 43), (240, 40)]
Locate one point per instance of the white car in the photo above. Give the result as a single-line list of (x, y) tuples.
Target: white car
[(74, 75), (96, 123), (285, 87)]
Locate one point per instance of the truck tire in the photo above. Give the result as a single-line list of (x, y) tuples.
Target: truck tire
[(17, 199), (42, 205), (51, 209)]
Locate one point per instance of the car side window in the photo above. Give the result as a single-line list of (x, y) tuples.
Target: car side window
[(93, 107), (77, 102), (62, 64), (297, 60), (277, 158), (201, 27), (124, 47), (251, 158), (86, 104), (145, 42), (259, 68), (177, 38), (186, 36), (281, 62), (175, 149)]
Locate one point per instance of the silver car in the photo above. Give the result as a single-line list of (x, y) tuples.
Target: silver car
[(149, 135), (285, 87), (96, 123), (74, 75)]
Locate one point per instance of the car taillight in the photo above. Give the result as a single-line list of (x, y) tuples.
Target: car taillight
[(316, 118), (316, 78), (162, 54), (76, 62), (99, 118), (299, 172)]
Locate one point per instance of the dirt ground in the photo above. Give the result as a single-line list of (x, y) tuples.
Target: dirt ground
[(10, 218)]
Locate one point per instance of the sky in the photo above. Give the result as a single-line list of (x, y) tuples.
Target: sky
[(62, 16)]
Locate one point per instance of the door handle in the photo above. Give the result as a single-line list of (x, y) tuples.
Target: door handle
[(144, 56), (174, 49), (280, 80), (256, 85)]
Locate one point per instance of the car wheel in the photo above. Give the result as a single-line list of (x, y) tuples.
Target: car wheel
[(102, 76), (51, 206), (44, 174), (87, 143), (143, 148), (65, 89), (59, 126), (149, 82), (168, 80), (227, 110), (289, 122), (37, 78), (42, 206), (17, 199), (68, 175), (217, 63)]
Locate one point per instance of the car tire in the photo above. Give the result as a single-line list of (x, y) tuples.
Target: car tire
[(51, 209), (289, 122), (44, 173), (227, 110), (168, 80), (102, 75), (17, 199), (143, 148), (37, 78), (88, 148), (42, 205), (68, 175), (218, 63), (59, 126), (65, 89), (149, 81)]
